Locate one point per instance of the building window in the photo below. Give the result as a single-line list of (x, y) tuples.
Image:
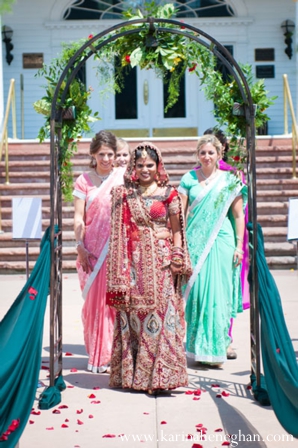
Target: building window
[(113, 9)]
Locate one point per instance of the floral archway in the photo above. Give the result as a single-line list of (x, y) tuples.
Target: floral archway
[(165, 45)]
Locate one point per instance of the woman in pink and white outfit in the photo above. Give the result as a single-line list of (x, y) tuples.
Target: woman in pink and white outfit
[(92, 218)]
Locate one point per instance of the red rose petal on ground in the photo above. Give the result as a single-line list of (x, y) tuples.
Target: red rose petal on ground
[(218, 395), (108, 436), (215, 385), (146, 413), (95, 402), (196, 445), (121, 435), (163, 422), (196, 398), (68, 354), (96, 388), (225, 444), (189, 436), (31, 422), (50, 428), (248, 387), (66, 420), (63, 406), (91, 396), (199, 425), (189, 392), (90, 416), (35, 412), (64, 425), (80, 411), (44, 368), (73, 370), (197, 392), (70, 387), (56, 411), (225, 394), (79, 422), (218, 430)]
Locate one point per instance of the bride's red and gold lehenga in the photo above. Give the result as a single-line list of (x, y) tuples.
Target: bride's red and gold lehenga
[(148, 351)]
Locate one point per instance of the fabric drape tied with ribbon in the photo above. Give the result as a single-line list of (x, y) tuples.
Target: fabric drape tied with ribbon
[(278, 355), (21, 333)]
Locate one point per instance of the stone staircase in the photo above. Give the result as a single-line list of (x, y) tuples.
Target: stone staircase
[(29, 165)]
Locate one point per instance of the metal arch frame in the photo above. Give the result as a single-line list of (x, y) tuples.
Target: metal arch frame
[(74, 65)]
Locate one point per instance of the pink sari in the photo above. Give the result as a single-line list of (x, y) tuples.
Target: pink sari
[(98, 318)]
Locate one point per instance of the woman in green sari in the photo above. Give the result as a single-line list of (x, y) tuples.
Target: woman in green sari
[(214, 202)]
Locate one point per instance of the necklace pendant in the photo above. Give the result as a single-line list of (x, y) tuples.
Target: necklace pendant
[(206, 182)]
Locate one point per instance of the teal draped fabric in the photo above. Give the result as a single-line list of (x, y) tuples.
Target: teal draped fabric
[(279, 359), (21, 332)]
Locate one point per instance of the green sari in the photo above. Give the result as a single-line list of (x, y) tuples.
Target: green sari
[(213, 293)]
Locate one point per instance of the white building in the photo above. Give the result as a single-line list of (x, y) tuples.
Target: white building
[(250, 28)]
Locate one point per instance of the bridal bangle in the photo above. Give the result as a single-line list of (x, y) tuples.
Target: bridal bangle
[(239, 250), (79, 243)]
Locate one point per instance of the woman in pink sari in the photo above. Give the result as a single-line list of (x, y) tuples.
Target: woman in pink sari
[(92, 203)]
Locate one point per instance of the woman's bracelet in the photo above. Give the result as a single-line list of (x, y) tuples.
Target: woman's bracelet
[(79, 243), (178, 265), (177, 260), (177, 249), (239, 239), (240, 251)]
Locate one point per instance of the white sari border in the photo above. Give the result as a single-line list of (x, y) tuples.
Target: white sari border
[(96, 269)]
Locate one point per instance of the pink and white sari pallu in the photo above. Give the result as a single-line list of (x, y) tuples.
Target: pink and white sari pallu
[(97, 317)]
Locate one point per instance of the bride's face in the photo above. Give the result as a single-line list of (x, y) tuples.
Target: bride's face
[(146, 170)]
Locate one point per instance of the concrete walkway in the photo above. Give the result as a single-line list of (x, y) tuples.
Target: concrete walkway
[(92, 415)]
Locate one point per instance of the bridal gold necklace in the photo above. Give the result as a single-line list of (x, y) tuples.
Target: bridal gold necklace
[(147, 191)]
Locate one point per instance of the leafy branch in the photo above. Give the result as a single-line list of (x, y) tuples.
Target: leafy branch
[(170, 55)]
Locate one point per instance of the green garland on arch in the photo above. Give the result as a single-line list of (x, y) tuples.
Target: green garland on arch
[(170, 56)]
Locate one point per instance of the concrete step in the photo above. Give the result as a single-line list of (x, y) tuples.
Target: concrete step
[(6, 240), (273, 220), (25, 189), (282, 262), (275, 234), (67, 211), (277, 184), (264, 208), (11, 267), (19, 253), (277, 160), (67, 224), (275, 195)]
